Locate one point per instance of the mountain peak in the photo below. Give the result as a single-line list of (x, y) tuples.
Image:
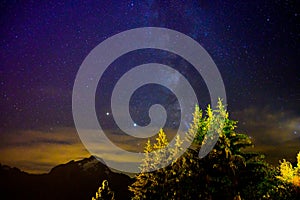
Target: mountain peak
[(73, 180)]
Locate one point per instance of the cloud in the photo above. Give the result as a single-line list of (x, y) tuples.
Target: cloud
[(38, 151), (267, 126), (276, 134)]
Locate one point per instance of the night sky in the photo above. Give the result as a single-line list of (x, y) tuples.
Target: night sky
[(255, 45)]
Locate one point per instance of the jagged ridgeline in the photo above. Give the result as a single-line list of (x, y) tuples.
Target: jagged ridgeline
[(74, 180)]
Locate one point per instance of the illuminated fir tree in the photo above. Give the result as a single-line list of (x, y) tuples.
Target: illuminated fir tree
[(104, 192), (227, 172), (283, 183), (141, 188), (290, 174)]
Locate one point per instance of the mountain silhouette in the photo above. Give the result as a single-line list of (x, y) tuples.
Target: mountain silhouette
[(74, 180)]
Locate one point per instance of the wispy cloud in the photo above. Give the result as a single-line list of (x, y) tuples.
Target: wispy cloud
[(276, 134), (38, 151)]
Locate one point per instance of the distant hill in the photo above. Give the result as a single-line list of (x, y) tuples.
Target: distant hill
[(74, 180)]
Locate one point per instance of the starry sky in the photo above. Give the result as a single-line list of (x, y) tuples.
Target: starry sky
[(255, 45)]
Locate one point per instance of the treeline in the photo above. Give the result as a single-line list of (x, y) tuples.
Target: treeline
[(227, 172)]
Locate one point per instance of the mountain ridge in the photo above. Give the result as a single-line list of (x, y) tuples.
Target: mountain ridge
[(72, 180)]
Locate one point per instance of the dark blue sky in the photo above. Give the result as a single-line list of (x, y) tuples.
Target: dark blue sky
[(255, 45)]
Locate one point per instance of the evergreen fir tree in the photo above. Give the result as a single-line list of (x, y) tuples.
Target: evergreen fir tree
[(149, 185), (227, 172), (104, 192), (141, 188)]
